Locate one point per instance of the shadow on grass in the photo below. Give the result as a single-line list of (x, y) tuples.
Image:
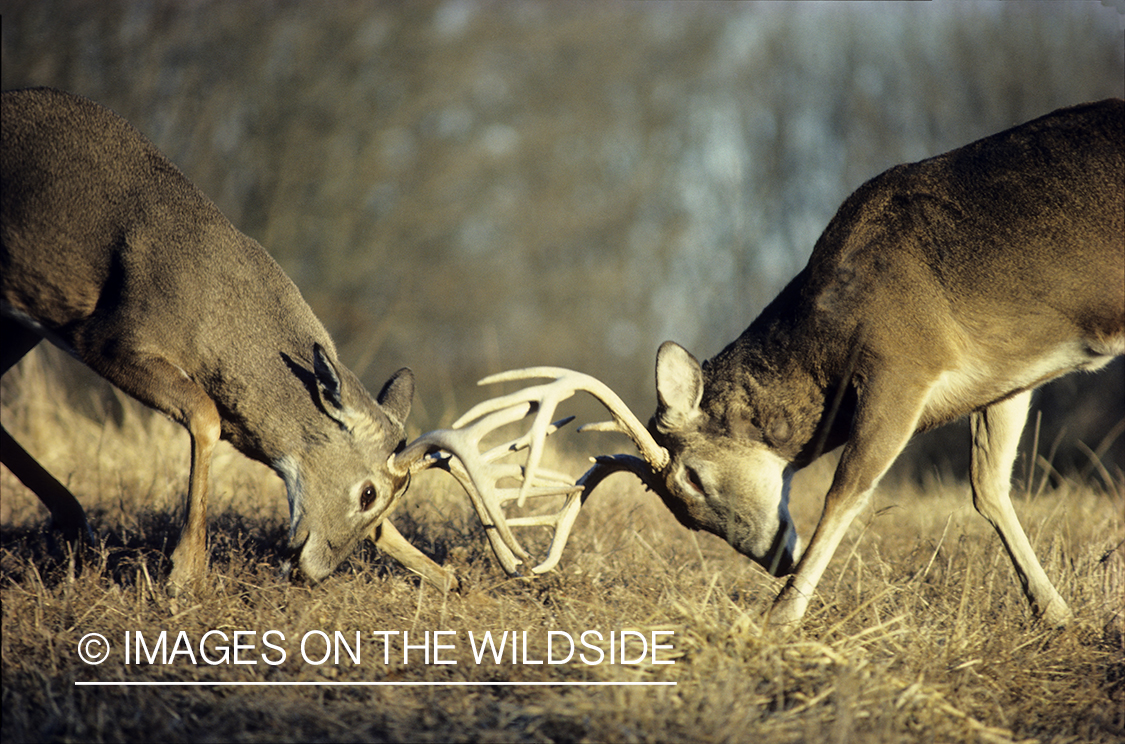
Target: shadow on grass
[(124, 554)]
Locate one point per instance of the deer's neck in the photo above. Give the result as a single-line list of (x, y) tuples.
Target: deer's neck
[(786, 379), (252, 412), (267, 394)]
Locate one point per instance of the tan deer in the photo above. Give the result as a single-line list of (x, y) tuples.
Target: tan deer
[(949, 287), (110, 253)]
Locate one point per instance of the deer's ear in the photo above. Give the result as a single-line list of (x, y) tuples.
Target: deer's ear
[(397, 395), (679, 386), (327, 378)]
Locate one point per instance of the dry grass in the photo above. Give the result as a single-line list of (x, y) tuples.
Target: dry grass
[(919, 633)]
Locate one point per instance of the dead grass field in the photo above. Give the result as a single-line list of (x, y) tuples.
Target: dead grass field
[(919, 633)]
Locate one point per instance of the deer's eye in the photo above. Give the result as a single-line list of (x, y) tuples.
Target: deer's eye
[(694, 481), (367, 496)]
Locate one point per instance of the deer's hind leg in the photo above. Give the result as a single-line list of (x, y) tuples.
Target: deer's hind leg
[(67, 515), (996, 434)]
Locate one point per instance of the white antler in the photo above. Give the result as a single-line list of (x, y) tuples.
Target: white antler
[(547, 397), (543, 399), (480, 474)]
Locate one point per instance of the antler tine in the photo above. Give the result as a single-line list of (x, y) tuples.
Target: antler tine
[(479, 473), (522, 442), (526, 395), (412, 457), (537, 437), (625, 422), (564, 519), (545, 397), (464, 442), (416, 454), (500, 547), (503, 551), (548, 395)]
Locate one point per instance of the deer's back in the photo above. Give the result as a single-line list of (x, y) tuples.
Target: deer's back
[(106, 242), (1031, 215), (989, 269)]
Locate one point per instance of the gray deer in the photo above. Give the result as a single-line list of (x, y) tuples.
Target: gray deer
[(110, 253), (949, 287)]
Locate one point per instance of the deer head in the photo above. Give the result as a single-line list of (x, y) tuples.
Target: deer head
[(723, 476), (348, 466)]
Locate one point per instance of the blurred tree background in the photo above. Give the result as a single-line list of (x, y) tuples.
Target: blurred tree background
[(468, 186)]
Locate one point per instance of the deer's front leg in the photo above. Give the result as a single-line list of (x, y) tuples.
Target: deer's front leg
[(189, 559), (885, 420), (66, 513), (165, 386), (996, 434)]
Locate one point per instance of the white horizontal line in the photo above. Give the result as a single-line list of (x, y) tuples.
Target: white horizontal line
[(374, 684)]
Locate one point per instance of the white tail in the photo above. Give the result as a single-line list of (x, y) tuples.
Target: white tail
[(109, 252), (944, 288)]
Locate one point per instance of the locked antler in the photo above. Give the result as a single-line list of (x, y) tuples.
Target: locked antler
[(458, 451), (480, 474), (543, 400)]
